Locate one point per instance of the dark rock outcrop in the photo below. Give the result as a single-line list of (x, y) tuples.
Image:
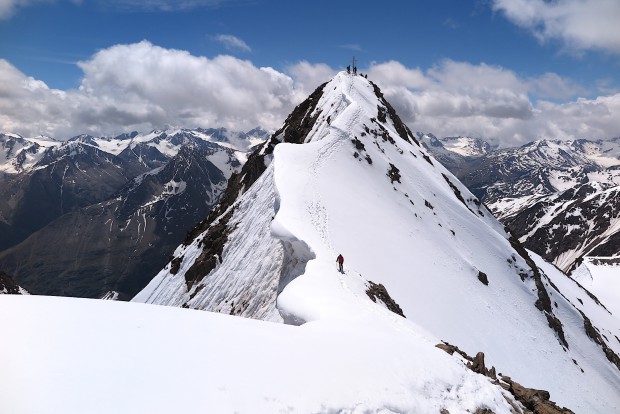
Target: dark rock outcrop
[(8, 285), (535, 401), (379, 292)]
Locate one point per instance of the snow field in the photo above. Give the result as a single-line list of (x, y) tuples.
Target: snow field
[(78, 355), (603, 280)]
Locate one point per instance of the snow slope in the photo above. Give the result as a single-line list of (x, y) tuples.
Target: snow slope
[(361, 185), (601, 276), (88, 356)]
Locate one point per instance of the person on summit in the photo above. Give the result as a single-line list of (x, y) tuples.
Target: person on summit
[(340, 261)]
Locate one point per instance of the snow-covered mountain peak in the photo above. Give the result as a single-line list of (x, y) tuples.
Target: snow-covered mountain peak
[(19, 154), (466, 146), (345, 176)]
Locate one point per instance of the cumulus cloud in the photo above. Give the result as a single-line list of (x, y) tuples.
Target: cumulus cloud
[(142, 86), (308, 77), (459, 98), (231, 42), (579, 24)]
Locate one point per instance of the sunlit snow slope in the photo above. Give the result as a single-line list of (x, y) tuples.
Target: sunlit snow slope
[(361, 185), (76, 356), (601, 276)]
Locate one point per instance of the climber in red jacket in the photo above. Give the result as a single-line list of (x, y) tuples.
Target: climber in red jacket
[(340, 261)]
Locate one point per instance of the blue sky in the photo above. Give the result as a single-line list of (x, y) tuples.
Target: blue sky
[(505, 70)]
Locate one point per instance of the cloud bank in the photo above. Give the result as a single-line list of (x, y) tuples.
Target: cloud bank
[(580, 24), (142, 86)]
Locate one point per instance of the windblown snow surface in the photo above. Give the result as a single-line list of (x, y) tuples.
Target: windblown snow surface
[(79, 356)]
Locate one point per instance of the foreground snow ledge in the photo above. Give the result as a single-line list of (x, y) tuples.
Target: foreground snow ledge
[(78, 355)]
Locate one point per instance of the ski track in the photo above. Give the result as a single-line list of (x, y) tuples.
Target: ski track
[(336, 137)]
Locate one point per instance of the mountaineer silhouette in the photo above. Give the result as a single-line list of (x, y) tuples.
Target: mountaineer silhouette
[(340, 261)]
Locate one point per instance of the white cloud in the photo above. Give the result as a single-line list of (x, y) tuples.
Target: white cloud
[(579, 24), (395, 73), (164, 5), (354, 47), (231, 42), (459, 98), (142, 86), (308, 77), (9, 7)]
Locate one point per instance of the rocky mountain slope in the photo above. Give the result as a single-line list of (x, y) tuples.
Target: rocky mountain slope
[(9, 287), (578, 222), (557, 196), (118, 207), (345, 175)]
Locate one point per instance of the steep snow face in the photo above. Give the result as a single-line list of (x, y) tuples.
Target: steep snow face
[(601, 276), (361, 185), (249, 244)]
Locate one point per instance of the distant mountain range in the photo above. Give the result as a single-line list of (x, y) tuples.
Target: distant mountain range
[(559, 197), (90, 215)]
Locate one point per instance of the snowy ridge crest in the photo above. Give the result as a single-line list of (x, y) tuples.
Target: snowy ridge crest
[(361, 185)]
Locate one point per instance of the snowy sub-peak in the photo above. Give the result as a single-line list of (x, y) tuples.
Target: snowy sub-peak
[(455, 146), (466, 146), (18, 154), (455, 153), (241, 141), (345, 175)]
